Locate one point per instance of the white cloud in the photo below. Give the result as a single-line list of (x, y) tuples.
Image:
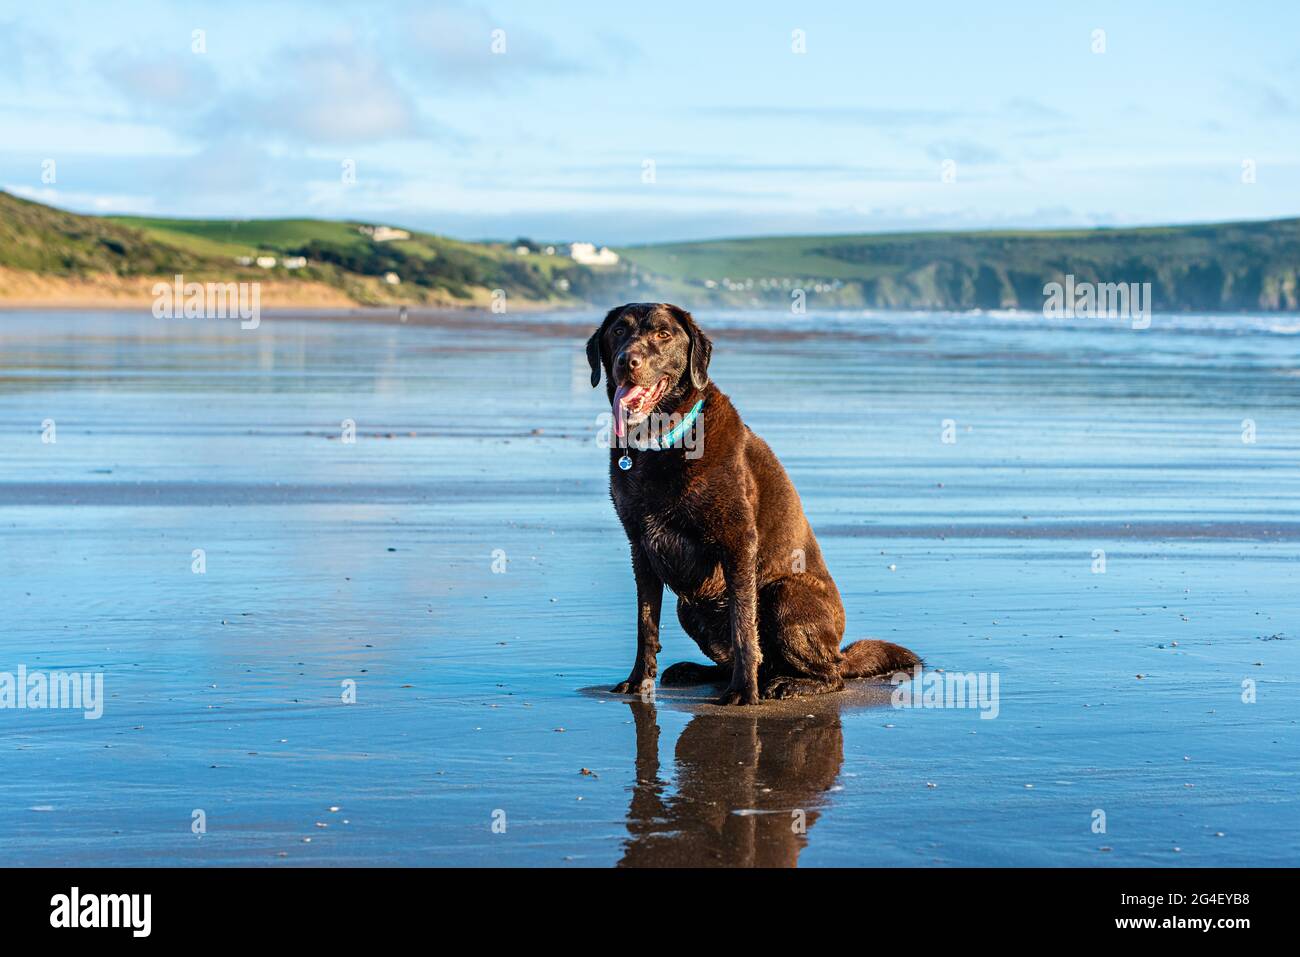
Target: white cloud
[(166, 81), (84, 201), (455, 43), (335, 94)]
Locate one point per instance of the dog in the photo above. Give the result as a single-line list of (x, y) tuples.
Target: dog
[(720, 524)]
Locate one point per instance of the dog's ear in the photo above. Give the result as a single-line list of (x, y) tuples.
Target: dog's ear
[(701, 348), (593, 345), (593, 356)]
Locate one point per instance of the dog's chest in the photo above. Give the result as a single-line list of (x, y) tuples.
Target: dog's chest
[(658, 516), (679, 557)]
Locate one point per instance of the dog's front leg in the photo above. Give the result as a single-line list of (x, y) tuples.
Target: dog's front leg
[(740, 571), (649, 598)]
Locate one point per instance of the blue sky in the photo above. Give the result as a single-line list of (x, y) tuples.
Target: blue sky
[(551, 138)]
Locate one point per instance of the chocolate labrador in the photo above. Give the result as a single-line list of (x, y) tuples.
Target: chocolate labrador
[(710, 512)]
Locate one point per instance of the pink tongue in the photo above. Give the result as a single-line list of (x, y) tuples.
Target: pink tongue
[(623, 393)]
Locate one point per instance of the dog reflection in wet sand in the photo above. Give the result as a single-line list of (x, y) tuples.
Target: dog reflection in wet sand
[(748, 788)]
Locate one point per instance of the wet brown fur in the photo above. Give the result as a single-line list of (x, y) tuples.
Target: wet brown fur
[(725, 531)]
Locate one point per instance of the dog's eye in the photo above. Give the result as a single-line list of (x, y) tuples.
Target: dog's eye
[(619, 330), (664, 334)]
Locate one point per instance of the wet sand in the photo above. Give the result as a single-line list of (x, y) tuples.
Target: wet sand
[(478, 698)]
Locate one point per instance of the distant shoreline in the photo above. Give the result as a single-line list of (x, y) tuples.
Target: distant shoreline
[(22, 290), (388, 315)]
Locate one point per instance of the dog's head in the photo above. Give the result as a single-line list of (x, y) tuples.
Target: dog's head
[(653, 354)]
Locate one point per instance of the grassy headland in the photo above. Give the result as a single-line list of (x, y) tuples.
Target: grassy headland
[(1220, 267), (49, 256)]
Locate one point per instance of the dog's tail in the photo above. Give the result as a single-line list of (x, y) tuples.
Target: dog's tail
[(871, 658)]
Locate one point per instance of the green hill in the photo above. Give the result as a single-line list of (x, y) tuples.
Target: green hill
[(1229, 267), (1219, 267), (50, 243), (233, 237), (436, 264), (41, 239)]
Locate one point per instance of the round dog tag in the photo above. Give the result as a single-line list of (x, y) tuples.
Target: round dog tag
[(625, 462)]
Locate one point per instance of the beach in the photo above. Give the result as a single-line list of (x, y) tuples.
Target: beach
[(387, 644)]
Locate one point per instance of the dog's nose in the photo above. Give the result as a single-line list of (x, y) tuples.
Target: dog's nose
[(634, 362)]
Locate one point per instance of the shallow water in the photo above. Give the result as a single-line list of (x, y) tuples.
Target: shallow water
[(373, 562)]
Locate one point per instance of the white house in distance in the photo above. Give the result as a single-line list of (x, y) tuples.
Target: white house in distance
[(268, 262), (383, 234), (588, 255)]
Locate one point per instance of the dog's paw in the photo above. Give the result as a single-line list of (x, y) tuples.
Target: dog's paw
[(788, 686), (644, 687), (689, 673), (738, 696), (781, 687)]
